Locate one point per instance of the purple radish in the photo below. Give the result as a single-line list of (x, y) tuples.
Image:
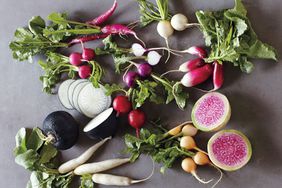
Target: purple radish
[(88, 38), (191, 65), (75, 58), (197, 76), (104, 17), (211, 112), (229, 150), (144, 69), (130, 78), (218, 78), (120, 30), (84, 71), (88, 54)]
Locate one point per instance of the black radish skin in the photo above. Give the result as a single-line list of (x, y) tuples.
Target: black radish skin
[(61, 129), (107, 127)]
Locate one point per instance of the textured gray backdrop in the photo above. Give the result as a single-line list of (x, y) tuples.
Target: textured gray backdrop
[(255, 98)]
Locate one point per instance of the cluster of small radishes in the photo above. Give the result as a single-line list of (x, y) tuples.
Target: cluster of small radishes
[(136, 118), (77, 59)]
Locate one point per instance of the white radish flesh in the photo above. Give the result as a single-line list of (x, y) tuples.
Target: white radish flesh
[(76, 92), (153, 58), (63, 93), (72, 164), (179, 22), (96, 167), (71, 89)]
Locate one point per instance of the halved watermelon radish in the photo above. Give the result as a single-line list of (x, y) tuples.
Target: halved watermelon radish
[(211, 112), (229, 150)]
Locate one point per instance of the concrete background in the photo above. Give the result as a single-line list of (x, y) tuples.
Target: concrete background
[(255, 99)]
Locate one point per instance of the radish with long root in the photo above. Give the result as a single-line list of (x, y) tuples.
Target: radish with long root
[(88, 38), (179, 22), (92, 168), (218, 76), (72, 164), (201, 158), (189, 166)]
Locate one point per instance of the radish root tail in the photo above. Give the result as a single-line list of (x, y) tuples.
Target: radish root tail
[(145, 179), (200, 180), (198, 149), (220, 177), (168, 50)]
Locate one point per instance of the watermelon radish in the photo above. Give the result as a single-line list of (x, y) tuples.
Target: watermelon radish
[(229, 150), (211, 112)]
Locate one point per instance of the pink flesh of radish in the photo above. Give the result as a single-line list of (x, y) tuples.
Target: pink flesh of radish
[(210, 110), (191, 65), (230, 149), (197, 76), (218, 78)]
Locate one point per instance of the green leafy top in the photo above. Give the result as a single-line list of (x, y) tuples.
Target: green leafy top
[(231, 37)]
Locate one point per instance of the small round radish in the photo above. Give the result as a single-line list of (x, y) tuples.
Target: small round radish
[(153, 58), (201, 158), (130, 78), (165, 29), (137, 118), (188, 142), (144, 69), (84, 71), (75, 58), (88, 54), (189, 166), (121, 104), (179, 22), (138, 49), (189, 130)]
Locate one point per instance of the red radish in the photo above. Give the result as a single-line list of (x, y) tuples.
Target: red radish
[(217, 75), (75, 58), (119, 29), (103, 17), (122, 105), (194, 50), (130, 78), (84, 71), (88, 54), (144, 69), (88, 38), (191, 65), (197, 76), (136, 118)]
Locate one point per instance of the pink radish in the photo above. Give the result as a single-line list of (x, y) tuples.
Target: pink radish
[(217, 75), (84, 71), (88, 54), (122, 105), (119, 29), (136, 118), (103, 17), (88, 38), (194, 50), (75, 58), (197, 76), (191, 65)]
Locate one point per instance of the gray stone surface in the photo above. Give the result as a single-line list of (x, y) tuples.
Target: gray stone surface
[(255, 99)]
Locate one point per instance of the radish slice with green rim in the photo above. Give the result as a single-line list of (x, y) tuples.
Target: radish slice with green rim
[(92, 101), (76, 91), (229, 150), (71, 89), (63, 93), (211, 112)]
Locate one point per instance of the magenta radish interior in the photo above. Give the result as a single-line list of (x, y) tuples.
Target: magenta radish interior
[(229, 150), (211, 111)]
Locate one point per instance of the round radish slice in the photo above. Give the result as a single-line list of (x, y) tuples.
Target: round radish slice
[(229, 150), (63, 93), (71, 89), (92, 101), (76, 91), (211, 112)]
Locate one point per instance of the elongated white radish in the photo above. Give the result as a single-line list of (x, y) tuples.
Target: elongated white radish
[(63, 93), (72, 164), (179, 22), (96, 167)]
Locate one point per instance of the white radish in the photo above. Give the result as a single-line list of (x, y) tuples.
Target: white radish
[(72, 164), (165, 30), (138, 49), (153, 58), (91, 168), (179, 22)]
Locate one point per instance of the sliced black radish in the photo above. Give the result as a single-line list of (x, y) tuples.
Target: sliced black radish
[(71, 89), (76, 91), (92, 101), (103, 125), (63, 93), (61, 129)]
